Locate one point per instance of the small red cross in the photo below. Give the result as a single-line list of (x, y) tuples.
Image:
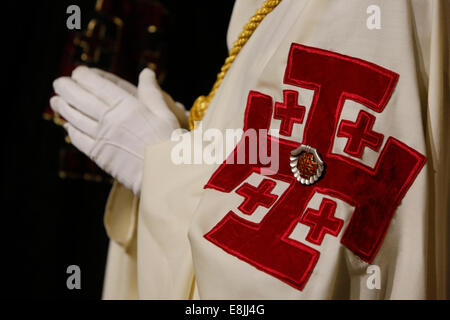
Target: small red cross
[(322, 221), (360, 134), (256, 196), (289, 112)]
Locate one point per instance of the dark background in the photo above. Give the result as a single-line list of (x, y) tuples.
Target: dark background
[(49, 223)]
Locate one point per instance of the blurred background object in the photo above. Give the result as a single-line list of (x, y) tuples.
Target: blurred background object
[(121, 37), (54, 196)]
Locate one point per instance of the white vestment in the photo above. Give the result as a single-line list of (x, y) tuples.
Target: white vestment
[(175, 243)]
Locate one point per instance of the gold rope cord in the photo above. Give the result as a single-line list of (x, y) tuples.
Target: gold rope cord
[(201, 104)]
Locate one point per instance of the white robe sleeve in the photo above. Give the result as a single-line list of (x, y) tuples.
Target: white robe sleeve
[(177, 256)]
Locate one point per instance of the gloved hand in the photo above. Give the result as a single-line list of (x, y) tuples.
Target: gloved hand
[(112, 121)]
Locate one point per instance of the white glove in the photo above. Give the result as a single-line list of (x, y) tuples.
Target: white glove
[(112, 121)]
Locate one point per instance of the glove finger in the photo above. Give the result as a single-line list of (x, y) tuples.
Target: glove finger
[(83, 142), (72, 115), (150, 92), (127, 86), (79, 98), (102, 88), (178, 110)]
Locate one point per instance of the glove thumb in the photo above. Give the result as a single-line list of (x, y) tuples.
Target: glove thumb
[(151, 95)]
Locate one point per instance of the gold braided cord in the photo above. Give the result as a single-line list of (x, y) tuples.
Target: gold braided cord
[(201, 104)]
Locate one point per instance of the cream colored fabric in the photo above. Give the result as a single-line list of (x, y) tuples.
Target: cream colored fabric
[(120, 220), (120, 282), (176, 212)]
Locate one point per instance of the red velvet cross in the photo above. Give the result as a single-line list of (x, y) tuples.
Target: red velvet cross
[(289, 112), (256, 196), (360, 134), (375, 193), (322, 221)]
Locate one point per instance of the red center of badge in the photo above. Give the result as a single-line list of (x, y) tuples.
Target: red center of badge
[(306, 165)]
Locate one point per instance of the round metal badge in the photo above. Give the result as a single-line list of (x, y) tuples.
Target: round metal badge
[(306, 164)]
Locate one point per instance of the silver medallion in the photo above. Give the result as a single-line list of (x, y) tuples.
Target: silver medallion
[(306, 164)]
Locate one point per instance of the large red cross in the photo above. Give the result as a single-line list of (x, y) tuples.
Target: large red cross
[(375, 193), (322, 221), (360, 134), (289, 112), (256, 196)]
